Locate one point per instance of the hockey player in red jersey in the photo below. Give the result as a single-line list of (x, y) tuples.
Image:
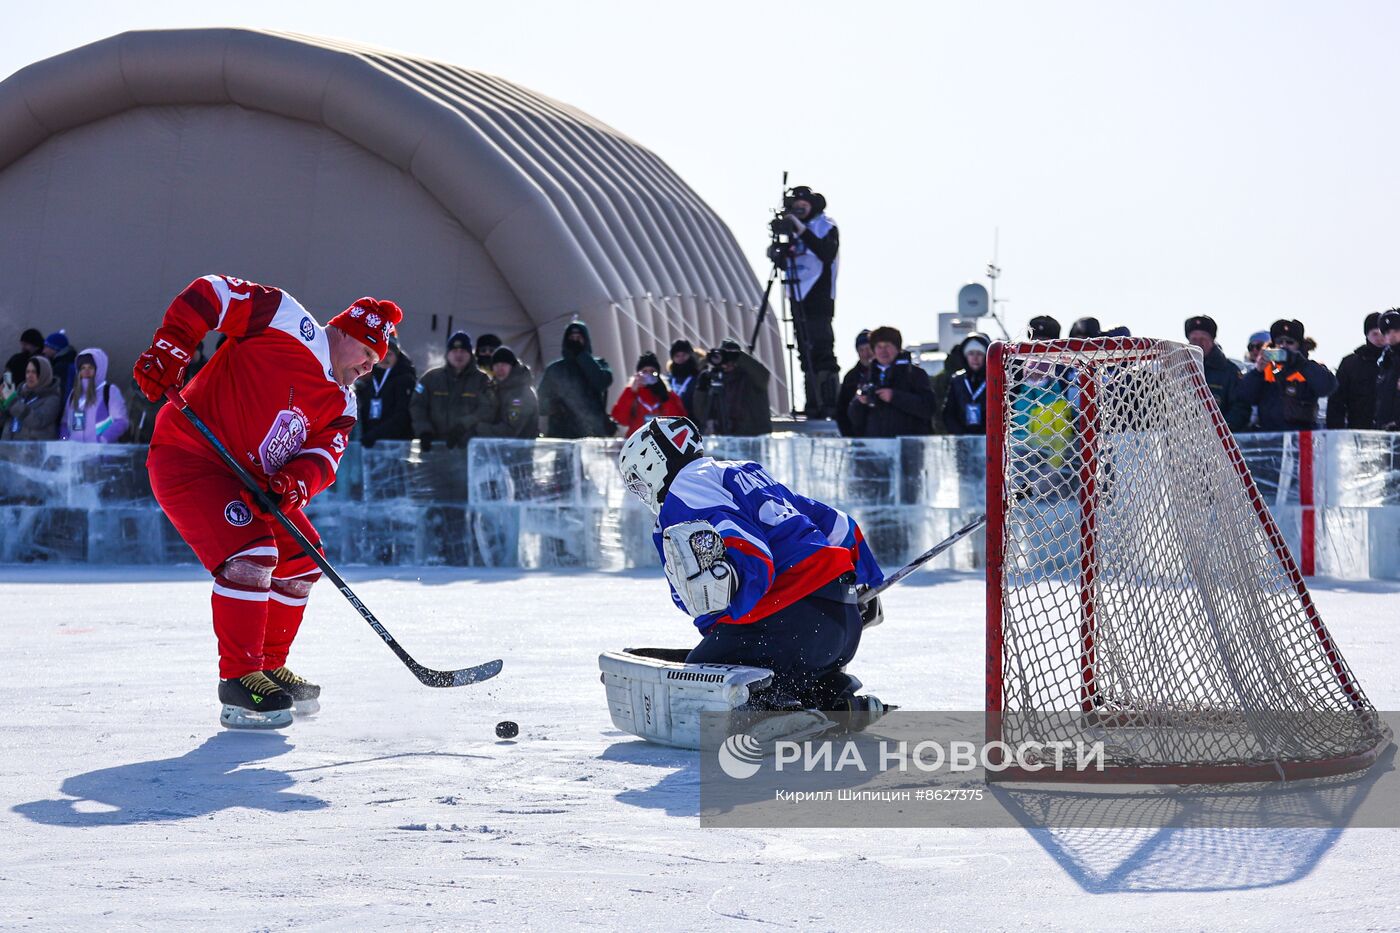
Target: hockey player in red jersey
[(279, 395)]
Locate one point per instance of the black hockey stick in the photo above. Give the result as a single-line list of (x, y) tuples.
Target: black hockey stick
[(924, 558), (426, 675)]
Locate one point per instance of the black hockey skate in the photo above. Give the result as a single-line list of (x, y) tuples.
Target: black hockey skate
[(306, 696), (857, 713), (254, 702)]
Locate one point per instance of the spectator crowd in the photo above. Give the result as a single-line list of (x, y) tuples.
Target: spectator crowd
[(53, 390)]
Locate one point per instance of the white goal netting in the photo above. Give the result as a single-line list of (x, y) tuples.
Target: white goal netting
[(1146, 597)]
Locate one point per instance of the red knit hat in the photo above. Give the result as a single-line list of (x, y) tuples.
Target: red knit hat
[(370, 321)]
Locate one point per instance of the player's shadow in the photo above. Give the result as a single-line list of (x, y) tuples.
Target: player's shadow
[(677, 793), (1202, 838), (200, 782)]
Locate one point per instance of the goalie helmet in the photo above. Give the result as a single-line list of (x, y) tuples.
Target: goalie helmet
[(654, 454)]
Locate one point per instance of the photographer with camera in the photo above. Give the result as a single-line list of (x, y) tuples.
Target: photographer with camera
[(805, 245), (731, 395), (898, 400), (1285, 384), (646, 397)]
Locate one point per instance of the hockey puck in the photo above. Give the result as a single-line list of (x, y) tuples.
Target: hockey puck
[(507, 730)]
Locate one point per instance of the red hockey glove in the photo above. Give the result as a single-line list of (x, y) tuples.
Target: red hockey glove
[(162, 366), (254, 506), (291, 488)]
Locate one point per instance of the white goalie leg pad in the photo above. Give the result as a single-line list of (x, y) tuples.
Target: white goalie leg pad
[(695, 565), (662, 701)]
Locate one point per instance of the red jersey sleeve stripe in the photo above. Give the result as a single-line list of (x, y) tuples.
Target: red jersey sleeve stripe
[(244, 308), (194, 312), (744, 546)]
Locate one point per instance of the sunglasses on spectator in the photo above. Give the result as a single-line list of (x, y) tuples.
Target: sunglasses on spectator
[(1256, 346), (1285, 342)]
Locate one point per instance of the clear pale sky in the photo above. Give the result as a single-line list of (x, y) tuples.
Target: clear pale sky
[(1143, 161)]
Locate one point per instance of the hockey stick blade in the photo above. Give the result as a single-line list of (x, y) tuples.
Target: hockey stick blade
[(924, 558), (460, 678)]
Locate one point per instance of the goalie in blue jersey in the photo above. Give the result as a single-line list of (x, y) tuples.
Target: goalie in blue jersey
[(771, 578)]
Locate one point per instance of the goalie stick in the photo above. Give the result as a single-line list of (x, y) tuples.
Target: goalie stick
[(425, 675), (924, 558)]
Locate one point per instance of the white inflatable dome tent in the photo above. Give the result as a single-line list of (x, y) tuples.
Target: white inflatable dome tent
[(132, 165)]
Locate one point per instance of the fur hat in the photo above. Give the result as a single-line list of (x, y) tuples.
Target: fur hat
[(887, 334), (1202, 322), (1086, 327), (1043, 327), (1291, 329)]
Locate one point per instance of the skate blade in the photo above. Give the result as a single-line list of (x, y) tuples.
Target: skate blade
[(306, 707), (236, 717)]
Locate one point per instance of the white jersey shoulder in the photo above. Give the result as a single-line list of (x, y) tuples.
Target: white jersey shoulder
[(700, 485)]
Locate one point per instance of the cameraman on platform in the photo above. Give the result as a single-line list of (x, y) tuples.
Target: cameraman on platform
[(808, 259), (731, 395)]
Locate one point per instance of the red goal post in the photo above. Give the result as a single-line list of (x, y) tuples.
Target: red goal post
[(1140, 595)]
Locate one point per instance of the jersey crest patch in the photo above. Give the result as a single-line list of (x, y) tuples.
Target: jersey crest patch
[(308, 330), (283, 441), (237, 513)]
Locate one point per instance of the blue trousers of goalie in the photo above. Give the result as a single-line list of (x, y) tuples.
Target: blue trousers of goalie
[(790, 664)]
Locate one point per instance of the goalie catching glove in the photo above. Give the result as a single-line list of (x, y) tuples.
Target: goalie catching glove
[(703, 579)]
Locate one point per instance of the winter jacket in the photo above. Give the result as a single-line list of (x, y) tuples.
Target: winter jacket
[(65, 371), (734, 402), (855, 377), (574, 392), (908, 412), (684, 378), (1388, 390), (635, 407), (942, 382), (449, 404), (517, 410), (141, 413), (1287, 393), (965, 409), (1223, 378), (394, 392), (100, 419), (1353, 405), (15, 367), (33, 414), (1042, 414)]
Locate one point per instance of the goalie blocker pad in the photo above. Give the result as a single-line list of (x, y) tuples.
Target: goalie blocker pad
[(655, 695)]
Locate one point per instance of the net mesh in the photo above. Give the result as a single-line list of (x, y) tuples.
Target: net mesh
[(1148, 601)]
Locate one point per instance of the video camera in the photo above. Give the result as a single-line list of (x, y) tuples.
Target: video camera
[(782, 230)]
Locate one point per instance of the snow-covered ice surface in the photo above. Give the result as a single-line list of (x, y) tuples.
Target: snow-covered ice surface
[(123, 803)]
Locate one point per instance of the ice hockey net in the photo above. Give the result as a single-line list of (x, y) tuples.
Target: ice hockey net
[(1140, 594)]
